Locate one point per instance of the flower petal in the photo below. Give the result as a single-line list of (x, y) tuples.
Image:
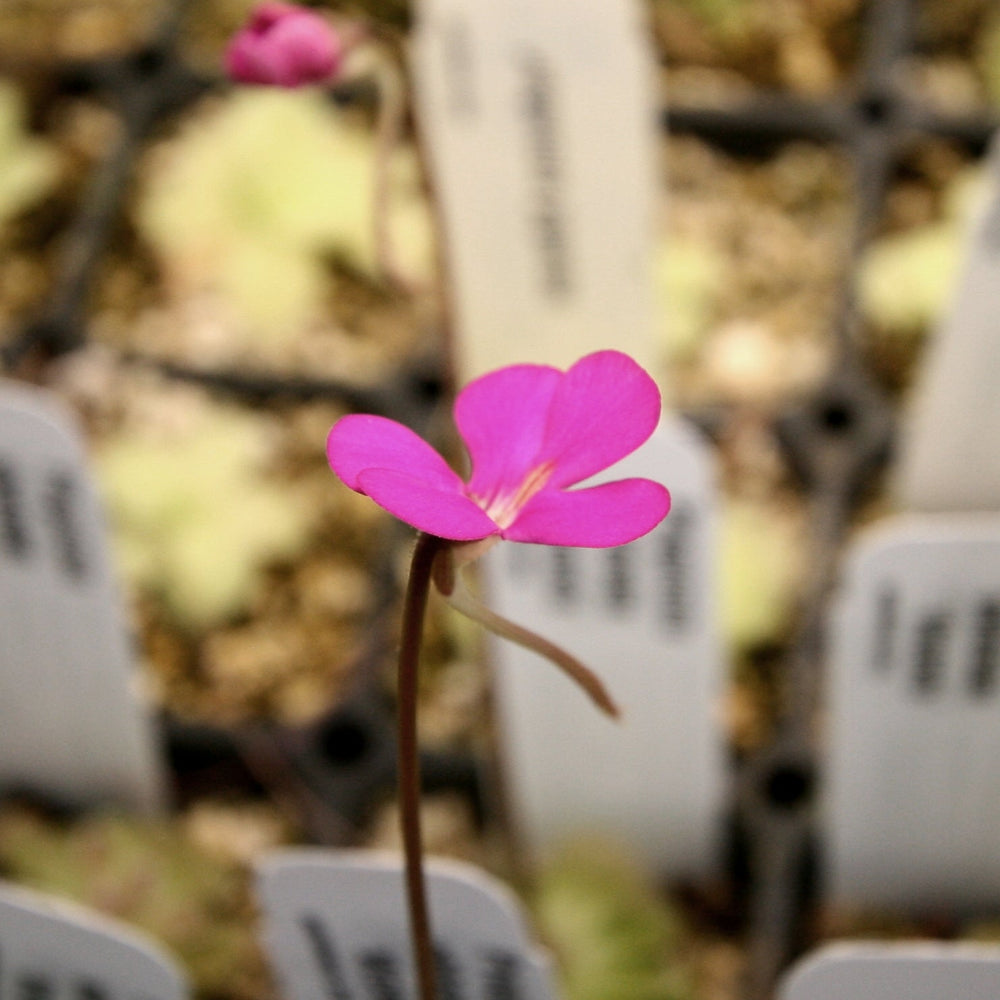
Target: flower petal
[(502, 417), (284, 45), (361, 441), (605, 406), (441, 512), (598, 517)]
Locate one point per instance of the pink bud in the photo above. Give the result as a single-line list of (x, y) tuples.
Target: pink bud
[(284, 46)]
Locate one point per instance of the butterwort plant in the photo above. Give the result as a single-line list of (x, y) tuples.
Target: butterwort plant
[(533, 434)]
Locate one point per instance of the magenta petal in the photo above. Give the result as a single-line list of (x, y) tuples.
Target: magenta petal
[(502, 417), (304, 51), (598, 517), (445, 513), (362, 441), (239, 59), (605, 406), (284, 45)]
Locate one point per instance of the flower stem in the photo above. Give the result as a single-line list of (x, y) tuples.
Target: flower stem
[(414, 607), (454, 591)]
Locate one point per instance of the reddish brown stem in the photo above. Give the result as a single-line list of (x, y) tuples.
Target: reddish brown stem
[(414, 608)]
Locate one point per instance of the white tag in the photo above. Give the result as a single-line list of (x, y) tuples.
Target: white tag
[(336, 929), (539, 121), (50, 950), (908, 971), (949, 458), (914, 716), (69, 724), (643, 617)]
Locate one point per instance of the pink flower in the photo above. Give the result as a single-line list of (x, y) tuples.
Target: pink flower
[(531, 432), (285, 46)]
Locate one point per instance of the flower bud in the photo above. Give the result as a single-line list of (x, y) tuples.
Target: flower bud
[(285, 46)]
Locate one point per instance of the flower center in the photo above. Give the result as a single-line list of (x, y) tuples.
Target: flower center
[(504, 507)]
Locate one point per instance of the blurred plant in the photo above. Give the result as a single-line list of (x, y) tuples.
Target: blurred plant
[(150, 875), (760, 571), (722, 16), (987, 56), (613, 937), (260, 192), (906, 279), (258, 197), (28, 167), (195, 520), (688, 277), (723, 19)]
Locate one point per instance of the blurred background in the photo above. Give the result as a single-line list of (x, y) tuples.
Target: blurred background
[(210, 276)]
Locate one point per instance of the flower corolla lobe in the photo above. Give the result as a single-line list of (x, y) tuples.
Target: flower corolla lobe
[(285, 46), (531, 432)]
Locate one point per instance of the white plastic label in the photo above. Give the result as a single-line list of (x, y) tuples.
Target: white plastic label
[(949, 457), (914, 716), (643, 617), (69, 725), (909, 971), (336, 929), (539, 121), (50, 950)]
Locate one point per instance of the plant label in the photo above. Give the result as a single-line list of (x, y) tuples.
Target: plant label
[(914, 716), (539, 122), (50, 950), (949, 458), (908, 971), (335, 925), (70, 728), (643, 617)]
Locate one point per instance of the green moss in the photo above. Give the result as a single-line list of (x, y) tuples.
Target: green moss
[(151, 876), (613, 938)]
